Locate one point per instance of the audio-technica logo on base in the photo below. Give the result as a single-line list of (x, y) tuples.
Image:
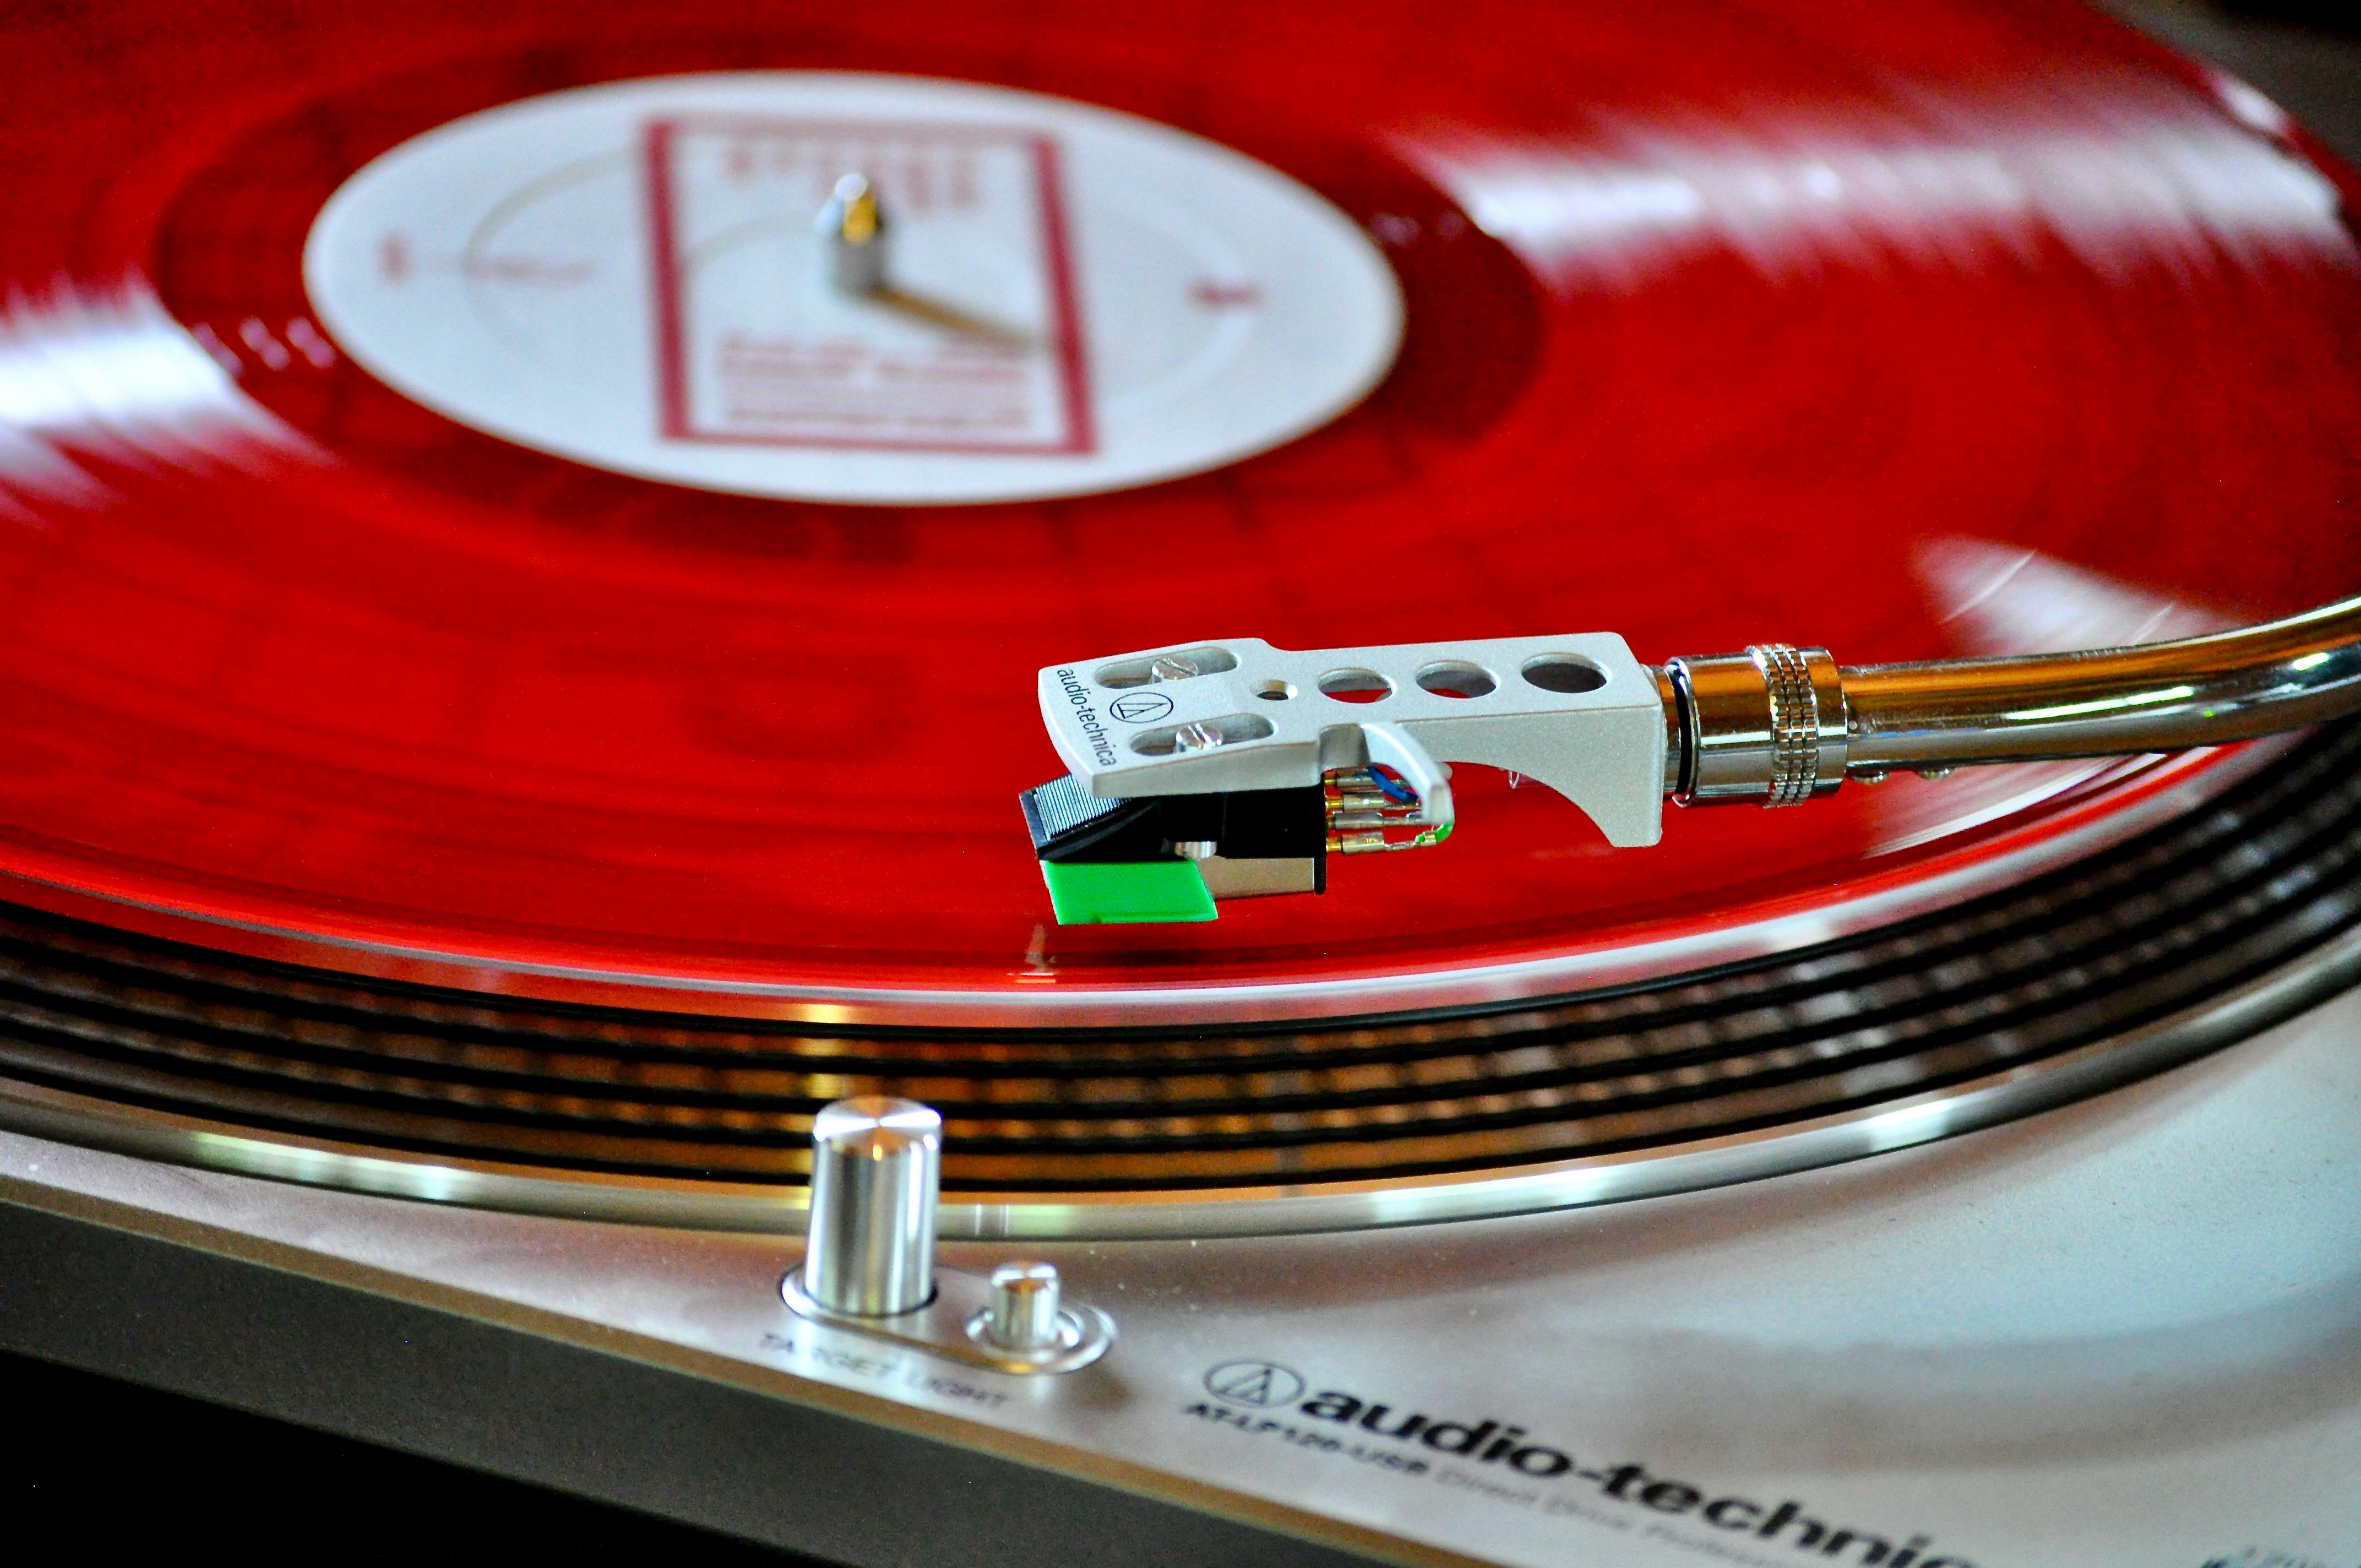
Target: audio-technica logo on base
[(1266, 1386), (1257, 1384)]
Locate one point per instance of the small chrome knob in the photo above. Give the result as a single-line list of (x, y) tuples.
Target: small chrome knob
[(876, 1175), (1023, 1313)]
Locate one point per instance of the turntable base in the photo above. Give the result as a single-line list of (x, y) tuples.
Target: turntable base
[(2127, 1332)]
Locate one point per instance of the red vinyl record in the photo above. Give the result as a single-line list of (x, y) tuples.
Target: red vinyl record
[(433, 544)]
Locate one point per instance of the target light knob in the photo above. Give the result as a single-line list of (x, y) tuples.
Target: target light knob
[(876, 1175), (869, 1260)]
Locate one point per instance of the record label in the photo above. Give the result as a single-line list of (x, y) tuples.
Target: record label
[(1075, 300)]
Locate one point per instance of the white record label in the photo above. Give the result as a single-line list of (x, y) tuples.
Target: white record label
[(1075, 300)]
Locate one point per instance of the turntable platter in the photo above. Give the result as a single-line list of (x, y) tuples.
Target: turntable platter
[(1968, 329)]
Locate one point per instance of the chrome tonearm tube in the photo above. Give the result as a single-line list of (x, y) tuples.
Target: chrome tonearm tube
[(1779, 724), (1230, 769)]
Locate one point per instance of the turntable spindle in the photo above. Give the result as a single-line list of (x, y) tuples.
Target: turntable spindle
[(854, 229)]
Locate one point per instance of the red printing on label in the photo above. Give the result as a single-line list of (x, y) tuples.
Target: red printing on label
[(969, 393)]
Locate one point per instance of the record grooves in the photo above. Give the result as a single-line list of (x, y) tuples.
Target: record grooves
[(2156, 927)]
